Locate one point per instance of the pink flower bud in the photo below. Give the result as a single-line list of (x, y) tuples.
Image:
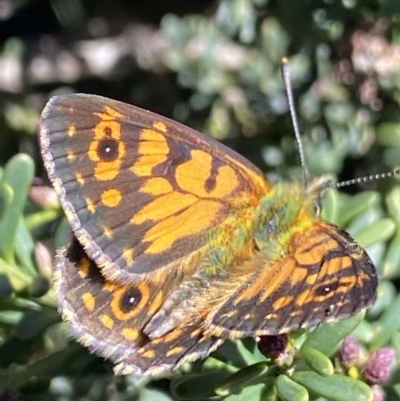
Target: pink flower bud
[(350, 351), (378, 393), (377, 368)]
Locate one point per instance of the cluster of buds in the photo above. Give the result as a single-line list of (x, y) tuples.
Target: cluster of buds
[(375, 368)]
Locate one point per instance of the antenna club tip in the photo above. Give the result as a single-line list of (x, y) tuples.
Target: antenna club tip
[(285, 60)]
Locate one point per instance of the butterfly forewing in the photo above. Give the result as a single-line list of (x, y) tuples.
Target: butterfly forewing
[(139, 190)]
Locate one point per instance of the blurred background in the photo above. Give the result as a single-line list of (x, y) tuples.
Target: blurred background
[(216, 67)]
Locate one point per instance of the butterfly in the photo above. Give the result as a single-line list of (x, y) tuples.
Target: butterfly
[(180, 243)]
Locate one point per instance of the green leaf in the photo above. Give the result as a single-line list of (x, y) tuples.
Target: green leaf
[(260, 391), (5, 287), (355, 205), (335, 388), (18, 175), (327, 337), (393, 203), (197, 386), (387, 324), (317, 361), (241, 378), (378, 231), (39, 287), (288, 390), (388, 134), (35, 322), (391, 263)]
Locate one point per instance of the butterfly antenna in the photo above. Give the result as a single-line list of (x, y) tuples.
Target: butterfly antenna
[(292, 109), (367, 178)]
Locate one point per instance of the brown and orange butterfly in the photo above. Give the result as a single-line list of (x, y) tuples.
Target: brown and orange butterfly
[(181, 243)]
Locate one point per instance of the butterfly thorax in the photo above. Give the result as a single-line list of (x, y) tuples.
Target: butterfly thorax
[(288, 207), (267, 228)]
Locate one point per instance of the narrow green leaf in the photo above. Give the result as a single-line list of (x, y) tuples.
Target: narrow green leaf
[(393, 203), (356, 205), (317, 361), (288, 390), (378, 231), (34, 322), (327, 337), (331, 207), (335, 388), (391, 263), (18, 174), (388, 134), (387, 324), (197, 386), (259, 391), (40, 286), (241, 378), (24, 248), (5, 287), (6, 197)]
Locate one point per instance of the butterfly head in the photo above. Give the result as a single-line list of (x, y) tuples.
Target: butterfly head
[(315, 189)]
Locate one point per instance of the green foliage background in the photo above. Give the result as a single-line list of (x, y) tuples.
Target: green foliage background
[(215, 66)]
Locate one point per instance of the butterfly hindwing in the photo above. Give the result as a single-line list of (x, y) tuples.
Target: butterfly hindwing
[(109, 318), (326, 275)]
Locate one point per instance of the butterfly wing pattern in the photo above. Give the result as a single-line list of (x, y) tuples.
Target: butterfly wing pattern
[(180, 243)]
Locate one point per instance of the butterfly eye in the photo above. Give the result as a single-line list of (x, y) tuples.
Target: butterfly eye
[(271, 226), (130, 299)]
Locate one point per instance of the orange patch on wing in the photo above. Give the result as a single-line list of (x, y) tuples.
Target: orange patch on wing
[(260, 183), (71, 130), (108, 232), (130, 334), (160, 126), (282, 302), (89, 301), (314, 254), (301, 299), (71, 156), (148, 353), (109, 114), (192, 175), (269, 282), (156, 304), (153, 150), (107, 321), (156, 186), (90, 205), (193, 220), (79, 178), (163, 207), (173, 335), (333, 266), (110, 286), (84, 266), (298, 275), (111, 197), (174, 351), (195, 333), (127, 254)]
